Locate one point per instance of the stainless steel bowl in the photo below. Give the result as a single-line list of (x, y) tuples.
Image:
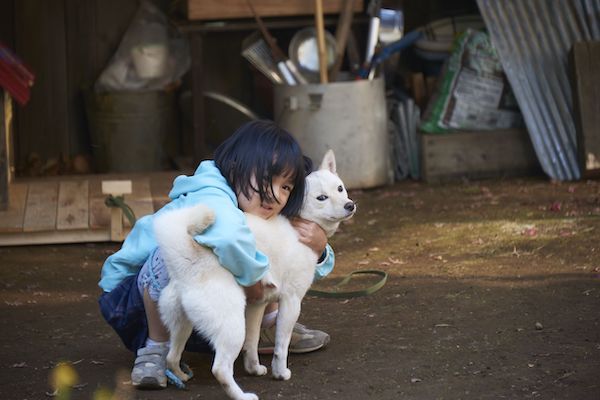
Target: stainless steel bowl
[(304, 52)]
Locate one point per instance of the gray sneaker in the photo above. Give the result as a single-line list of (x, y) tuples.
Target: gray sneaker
[(149, 368), (304, 340)]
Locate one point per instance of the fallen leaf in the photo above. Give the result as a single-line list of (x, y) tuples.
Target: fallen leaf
[(530, 231), (556, 206)]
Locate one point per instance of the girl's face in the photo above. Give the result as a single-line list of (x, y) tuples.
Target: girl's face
[(282, 188)]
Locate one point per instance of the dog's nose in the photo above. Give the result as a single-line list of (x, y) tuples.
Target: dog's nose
[(349, 206)]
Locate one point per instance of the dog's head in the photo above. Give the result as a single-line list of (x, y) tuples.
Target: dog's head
[(326, 200)]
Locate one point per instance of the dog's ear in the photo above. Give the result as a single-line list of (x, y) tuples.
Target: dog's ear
[(328, 162)]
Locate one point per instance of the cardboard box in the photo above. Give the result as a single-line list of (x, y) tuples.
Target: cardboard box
[(231, 9)]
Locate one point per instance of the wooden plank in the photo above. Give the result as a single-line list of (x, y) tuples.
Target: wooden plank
[(215, 9), (477, 155), (41, 207), (40, 40), (54, 237), (11, 220), (9, 118), (160, 186), (73, 205), (585, 79), (99, 213), (3, 151), (83, 66), (140, 200)]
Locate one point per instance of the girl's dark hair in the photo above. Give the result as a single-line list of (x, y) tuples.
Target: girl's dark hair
[(262, 149)]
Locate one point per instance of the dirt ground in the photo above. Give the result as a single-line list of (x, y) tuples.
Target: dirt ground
[(493, 293)]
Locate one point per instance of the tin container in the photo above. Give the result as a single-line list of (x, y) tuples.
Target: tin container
[(349, 117)]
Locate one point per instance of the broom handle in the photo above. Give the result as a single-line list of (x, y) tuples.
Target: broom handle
[(277, 53), (320, 25), (341, 36)]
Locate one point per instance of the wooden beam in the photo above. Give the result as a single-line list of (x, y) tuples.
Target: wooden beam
[(585, 79), (3, 153), (11, 219), (216, 9), (55, 237), (117, 188)]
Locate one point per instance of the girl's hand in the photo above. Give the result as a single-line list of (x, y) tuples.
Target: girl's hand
[(310, 234), (255, 292)]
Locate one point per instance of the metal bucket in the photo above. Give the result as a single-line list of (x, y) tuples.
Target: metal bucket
[(130, 131), (348, 117)]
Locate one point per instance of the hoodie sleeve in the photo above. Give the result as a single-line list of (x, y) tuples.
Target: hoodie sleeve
[(133, 253), (232, 241), (326, 266)]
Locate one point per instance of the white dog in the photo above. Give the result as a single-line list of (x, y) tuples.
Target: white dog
[(203, 295)]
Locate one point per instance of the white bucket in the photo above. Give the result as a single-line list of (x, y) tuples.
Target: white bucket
[(348, 117)]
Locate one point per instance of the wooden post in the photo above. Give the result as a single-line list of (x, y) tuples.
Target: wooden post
[(6, 165), (320, 27), (116, 188), (585, 81)]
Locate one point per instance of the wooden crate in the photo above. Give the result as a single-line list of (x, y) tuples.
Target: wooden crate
[(231, 9), (585, 81), (479, 154)]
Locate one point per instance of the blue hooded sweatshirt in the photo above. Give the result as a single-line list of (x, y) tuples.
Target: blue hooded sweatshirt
[(229, 236)]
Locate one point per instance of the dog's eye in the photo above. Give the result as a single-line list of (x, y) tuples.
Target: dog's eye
[(340, 188), (322, 197)]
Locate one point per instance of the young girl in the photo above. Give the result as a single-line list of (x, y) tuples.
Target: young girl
[(260, 170)]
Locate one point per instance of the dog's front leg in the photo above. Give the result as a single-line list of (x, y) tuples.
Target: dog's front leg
[(289, 311), (254, 314)]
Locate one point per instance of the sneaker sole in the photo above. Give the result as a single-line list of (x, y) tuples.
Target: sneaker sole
[(270, 350), (149, 384)]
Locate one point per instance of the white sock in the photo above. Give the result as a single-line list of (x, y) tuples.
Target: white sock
[(269, 319), (154, 343)]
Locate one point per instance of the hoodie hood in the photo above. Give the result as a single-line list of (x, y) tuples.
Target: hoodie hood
[(207, 176)]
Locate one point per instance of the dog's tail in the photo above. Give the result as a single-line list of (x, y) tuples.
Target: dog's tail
[(175, 231)]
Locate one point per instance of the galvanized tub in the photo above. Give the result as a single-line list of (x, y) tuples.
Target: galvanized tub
[(349, 117), (130, 131)]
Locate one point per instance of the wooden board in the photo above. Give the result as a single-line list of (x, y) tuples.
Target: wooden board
[(54, 237), (72, 205), (40, 40), (160, 186), (477, 155), (140, 200), (99, 213), (41, 207), (3, 151), (218, 9), (11, 220), (585, 79)]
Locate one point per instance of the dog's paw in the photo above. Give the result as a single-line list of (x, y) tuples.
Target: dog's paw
[(282, 375), (256, 370)]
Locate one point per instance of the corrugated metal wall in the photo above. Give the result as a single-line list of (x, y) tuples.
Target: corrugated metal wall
[(533, 39)]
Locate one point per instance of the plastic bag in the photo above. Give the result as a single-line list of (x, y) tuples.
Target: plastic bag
[(474, 93), (151, 55)]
